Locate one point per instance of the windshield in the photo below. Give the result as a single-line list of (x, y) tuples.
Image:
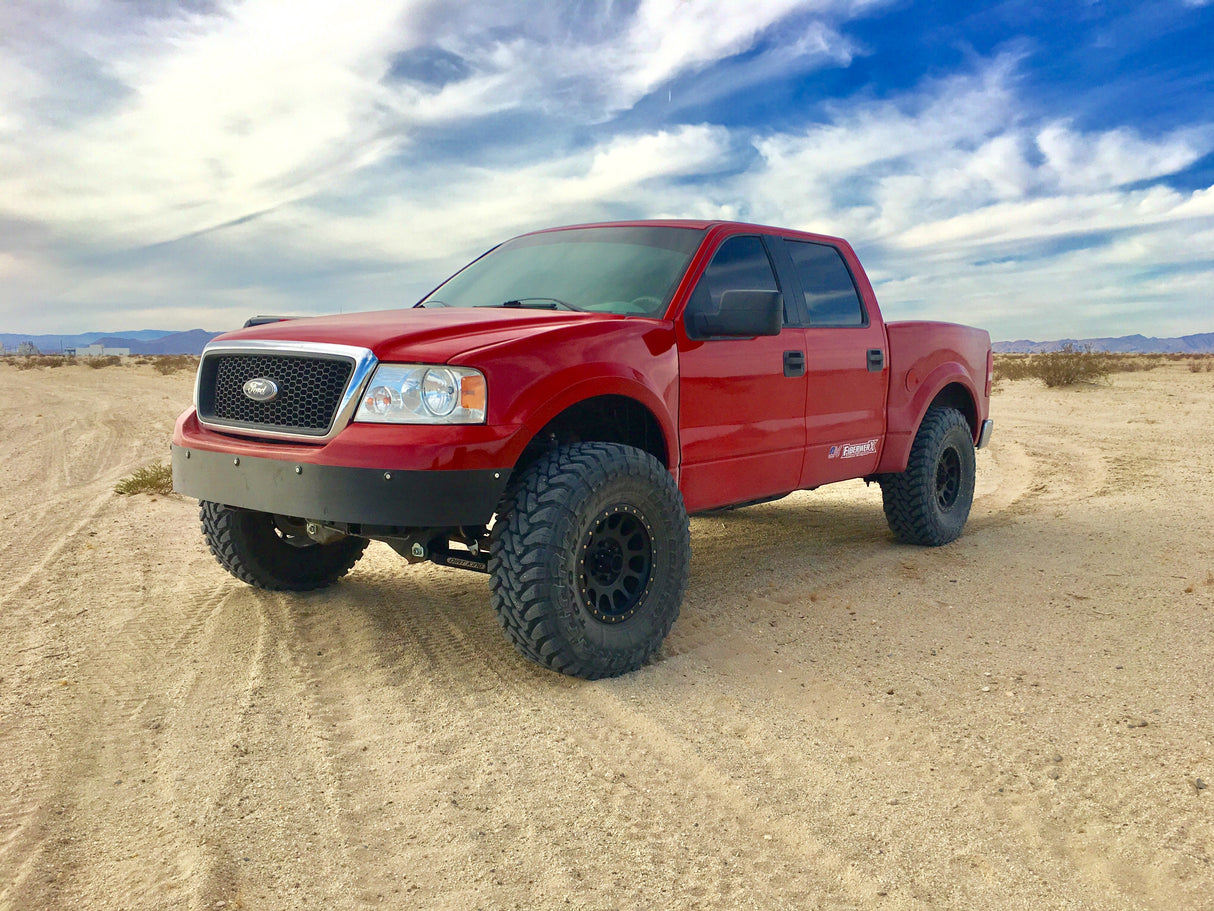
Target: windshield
[(626, 270)]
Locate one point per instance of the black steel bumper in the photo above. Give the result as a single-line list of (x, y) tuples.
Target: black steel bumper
[(331, 493)]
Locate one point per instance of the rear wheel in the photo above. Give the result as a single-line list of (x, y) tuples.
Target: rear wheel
[(930, 501), (274, 552), (589, 559)]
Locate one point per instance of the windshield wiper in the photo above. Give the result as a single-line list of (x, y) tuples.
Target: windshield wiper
[(540, 303), (421, 305)]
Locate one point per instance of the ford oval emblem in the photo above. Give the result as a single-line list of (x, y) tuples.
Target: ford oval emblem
[(261, 389)]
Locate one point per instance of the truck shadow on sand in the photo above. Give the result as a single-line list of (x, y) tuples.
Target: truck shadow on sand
[(441, 620)]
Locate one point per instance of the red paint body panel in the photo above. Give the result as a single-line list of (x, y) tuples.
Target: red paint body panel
[(734, 426), (925, 358), (742, 422)]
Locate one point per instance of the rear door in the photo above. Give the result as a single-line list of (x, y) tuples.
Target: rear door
[(846, 363), (741, 401)]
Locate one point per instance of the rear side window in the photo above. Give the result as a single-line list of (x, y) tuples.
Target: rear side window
[(830, 293), (740, 264)]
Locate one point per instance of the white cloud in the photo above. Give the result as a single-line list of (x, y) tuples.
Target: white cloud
[(592, 60), (468, 208), (292, 128), (1109, 159), (246, 112)]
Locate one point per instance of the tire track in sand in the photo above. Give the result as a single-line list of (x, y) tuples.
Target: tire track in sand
[(405, 670), (75, 823)]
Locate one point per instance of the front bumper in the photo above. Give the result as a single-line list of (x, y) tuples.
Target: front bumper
[(388, 476), (340, 494)]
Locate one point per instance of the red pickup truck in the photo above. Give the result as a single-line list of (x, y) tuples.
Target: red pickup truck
[(551, 414)]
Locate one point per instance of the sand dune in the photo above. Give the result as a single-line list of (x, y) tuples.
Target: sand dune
[(1018, 720)]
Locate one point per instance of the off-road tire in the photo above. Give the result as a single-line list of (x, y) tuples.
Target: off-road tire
[(929, 502), (272, 552), (589, 559)]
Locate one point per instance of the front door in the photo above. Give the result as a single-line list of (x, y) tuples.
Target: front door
[(741, 401)]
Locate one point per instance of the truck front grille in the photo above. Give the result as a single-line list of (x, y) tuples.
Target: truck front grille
[(311, 388)]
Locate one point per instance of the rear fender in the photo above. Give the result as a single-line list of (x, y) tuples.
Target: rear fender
[(950, 383)]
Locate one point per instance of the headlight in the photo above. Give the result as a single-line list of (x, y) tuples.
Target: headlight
[(422, 394)]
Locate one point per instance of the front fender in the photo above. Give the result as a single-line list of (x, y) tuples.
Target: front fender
[(587, 381)]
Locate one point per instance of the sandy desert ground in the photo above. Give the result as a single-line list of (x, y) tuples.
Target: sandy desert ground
[(1019, 720)]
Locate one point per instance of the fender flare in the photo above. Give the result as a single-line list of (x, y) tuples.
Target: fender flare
[(592, 386), (901, 436)]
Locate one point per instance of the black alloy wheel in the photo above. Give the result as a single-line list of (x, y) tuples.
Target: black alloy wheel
[(616, 561)]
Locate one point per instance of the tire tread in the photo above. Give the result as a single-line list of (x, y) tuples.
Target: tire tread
[(535, 510), (908, 497), (227, 535)]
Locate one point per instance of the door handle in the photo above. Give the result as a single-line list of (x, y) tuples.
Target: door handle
[(794, 363), (876, 360)]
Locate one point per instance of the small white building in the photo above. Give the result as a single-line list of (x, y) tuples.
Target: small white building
[(96, 351)]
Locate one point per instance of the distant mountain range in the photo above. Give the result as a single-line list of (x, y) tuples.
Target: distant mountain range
[(154, 341), (1203, 343), (141, 341)]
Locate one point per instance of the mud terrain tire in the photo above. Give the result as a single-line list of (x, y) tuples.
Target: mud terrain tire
[(929, 502), (589, 559), (273, 552)]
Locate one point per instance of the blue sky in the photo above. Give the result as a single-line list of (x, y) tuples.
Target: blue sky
[(1039, 169)]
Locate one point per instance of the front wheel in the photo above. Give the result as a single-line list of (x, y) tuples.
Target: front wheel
[(930, 501), (589, 559), (274, 552)]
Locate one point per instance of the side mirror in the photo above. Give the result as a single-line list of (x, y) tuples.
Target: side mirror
[(743, 314)]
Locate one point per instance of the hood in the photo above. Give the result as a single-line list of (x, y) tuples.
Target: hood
[(427, 336)]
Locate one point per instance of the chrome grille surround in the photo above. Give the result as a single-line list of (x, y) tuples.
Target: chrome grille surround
[(304, 358)]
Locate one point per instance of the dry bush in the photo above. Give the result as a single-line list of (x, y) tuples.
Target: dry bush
[(171, 363), (29, 362), (107, 360), (156, 478), (1134, 363), (1070, 365), (1011, 367)]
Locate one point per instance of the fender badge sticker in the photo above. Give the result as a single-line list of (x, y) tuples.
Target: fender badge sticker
[(853, 450)]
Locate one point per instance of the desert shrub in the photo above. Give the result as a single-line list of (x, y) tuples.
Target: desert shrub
[(29, 362), (154, 478), (1134, 363), (171, 363), (1070, 365), (1011, 367), (108, 360)]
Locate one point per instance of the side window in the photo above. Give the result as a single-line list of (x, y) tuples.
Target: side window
[(830, 293), (740, 264)]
